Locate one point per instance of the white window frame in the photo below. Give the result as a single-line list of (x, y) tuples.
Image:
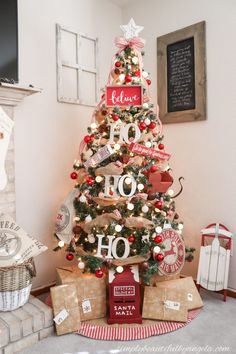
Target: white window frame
[(80, 69)]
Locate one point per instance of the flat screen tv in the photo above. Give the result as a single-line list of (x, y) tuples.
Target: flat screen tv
[(8, 40)]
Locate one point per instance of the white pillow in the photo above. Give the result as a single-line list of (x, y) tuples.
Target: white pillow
[(16, 246)]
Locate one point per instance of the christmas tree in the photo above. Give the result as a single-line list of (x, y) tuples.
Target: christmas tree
[(123, 202)]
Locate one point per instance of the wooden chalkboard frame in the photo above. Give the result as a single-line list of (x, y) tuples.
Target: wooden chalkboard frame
[(197, 31)]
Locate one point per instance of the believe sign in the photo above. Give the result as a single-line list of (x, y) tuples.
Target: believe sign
[(124, 95)]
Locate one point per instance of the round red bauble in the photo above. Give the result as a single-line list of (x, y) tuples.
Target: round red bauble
[(137, 73), (142, 126), (90, 180), (115, 117), (99, 273), (117, 64), (158, 204), (128, 78), (131, 238), (157, 239), (70, 256), (152, 125), (148, 81), (153, 168), (161, 146), (145, 265), (73, 175), (87, 139), (159, 257)]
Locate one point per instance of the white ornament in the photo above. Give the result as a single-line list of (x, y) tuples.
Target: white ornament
[(122, 77), (81, 265), (180, 226), (128, 180), (119, 269), (88, 218), (112, 246), (117, 147), (76, 218), (148, 144), (145, 74), (140, 186), (145, 105), (147, 121), (93, 126), (158, 229), (130, 206), (156, 249), (61, 244), (170, 192), (131, 30), (6, 125), (135, 60), (99, 179), (82, 198), (145, 209), (101, 194), (91, 239), (118, 228)]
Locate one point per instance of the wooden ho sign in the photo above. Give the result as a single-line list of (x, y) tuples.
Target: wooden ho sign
[(213, 269), (124, 95)]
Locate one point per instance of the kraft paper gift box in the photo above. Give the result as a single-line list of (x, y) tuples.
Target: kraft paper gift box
[(165, 304), (193, 297), (65, 308), (157, 278), (91, 291)]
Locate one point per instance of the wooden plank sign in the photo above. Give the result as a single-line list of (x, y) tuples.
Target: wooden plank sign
[(124, 95), (214, 259)]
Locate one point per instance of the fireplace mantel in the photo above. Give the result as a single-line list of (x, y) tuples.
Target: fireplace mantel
[(12, 95)]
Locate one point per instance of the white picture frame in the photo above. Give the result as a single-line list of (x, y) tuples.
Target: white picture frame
[(77, 67)]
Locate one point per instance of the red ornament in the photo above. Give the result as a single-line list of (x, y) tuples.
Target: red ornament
[(128, 78), (115, 117), (152, 125), (117, 64), (158, 204), (73, 175), (70, 256), (148, 81), (161, 146), (153, 168), (87, 139), (145, 265), (90, 180), (91, 137), (131, 238), (157, 239), (137, 73), (159, 257), (142, 126), (99, 273)]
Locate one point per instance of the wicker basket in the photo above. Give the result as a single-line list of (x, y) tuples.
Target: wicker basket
[(15, 285)]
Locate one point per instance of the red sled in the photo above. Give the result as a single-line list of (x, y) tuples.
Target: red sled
[(161, 181), (124, 296)]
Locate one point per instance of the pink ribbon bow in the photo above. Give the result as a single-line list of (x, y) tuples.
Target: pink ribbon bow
[(136, 42)]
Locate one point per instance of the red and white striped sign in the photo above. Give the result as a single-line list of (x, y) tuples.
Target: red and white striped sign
[(143, 150)]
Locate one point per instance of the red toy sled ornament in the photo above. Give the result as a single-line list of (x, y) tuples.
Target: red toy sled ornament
[(213, 268), (174, 252), (161, 181), (124, 296)]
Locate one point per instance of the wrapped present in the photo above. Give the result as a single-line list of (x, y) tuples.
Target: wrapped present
[(65, 308), (158, 277), (193, 297), (165, 304), (91, 291)]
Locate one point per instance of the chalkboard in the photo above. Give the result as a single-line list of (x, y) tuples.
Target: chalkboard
[(181, 76)]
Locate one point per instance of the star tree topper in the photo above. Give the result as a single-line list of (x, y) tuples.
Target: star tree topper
[(131, 30)]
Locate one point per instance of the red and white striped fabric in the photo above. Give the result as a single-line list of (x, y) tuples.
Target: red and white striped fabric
[(109, 332)]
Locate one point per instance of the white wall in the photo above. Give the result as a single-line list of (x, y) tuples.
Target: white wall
[(202, 152), (47, 133)]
